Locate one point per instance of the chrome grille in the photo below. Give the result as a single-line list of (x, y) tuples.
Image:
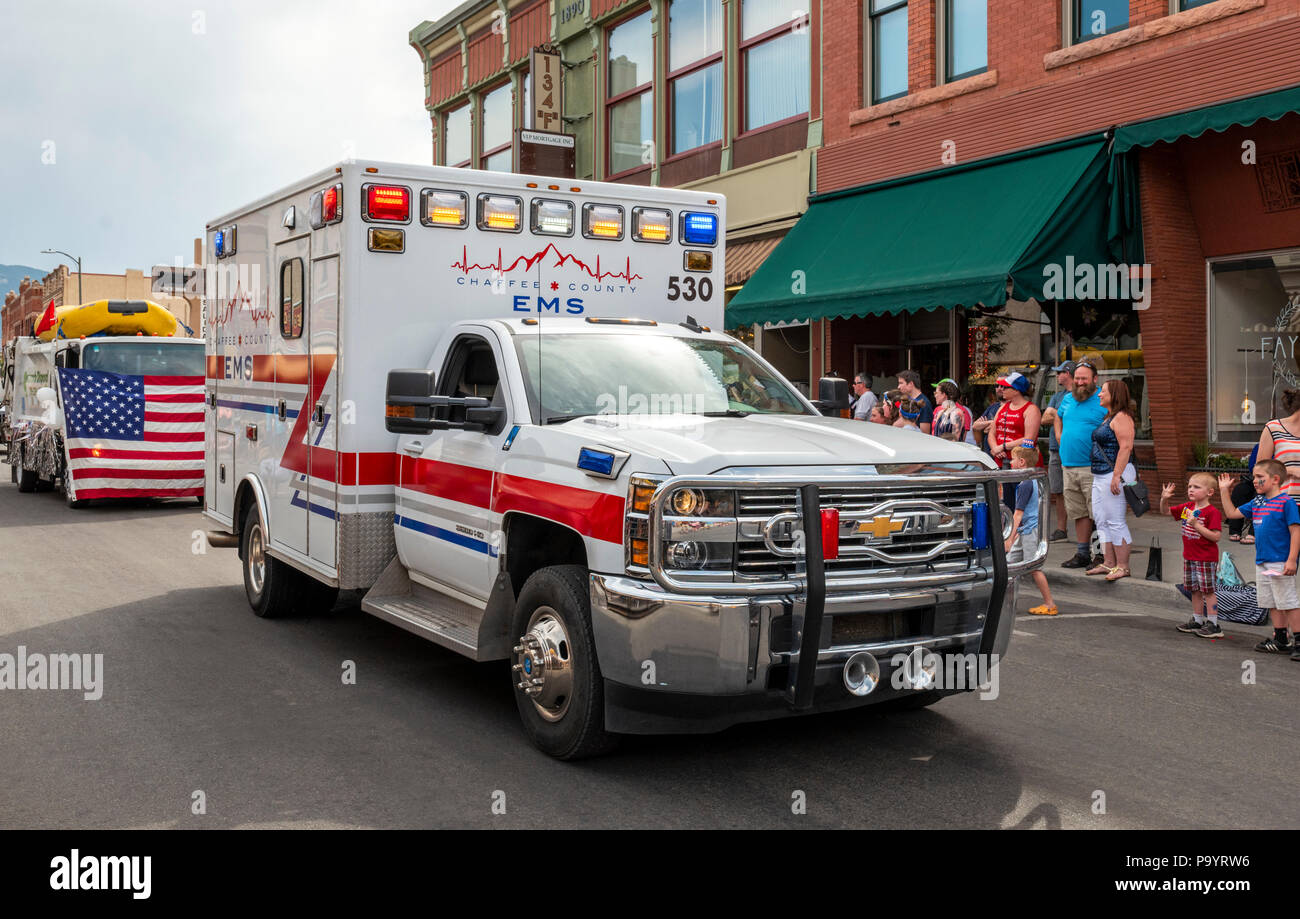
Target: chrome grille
[(755, 507)]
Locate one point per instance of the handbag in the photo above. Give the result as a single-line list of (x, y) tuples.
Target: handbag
[(1139, 500)]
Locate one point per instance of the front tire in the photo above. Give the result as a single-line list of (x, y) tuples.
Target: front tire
[(28, 479), (558, 687)]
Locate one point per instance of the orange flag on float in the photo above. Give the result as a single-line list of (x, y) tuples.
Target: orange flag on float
[(47, 319)]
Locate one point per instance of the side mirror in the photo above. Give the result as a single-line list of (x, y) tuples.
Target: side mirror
[(832, 395), (45, 395), (408, 402)]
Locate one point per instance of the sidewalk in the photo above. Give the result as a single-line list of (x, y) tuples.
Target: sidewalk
[(1160, 594)]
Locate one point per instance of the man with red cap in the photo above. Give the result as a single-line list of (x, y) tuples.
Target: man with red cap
[(1016, 422)]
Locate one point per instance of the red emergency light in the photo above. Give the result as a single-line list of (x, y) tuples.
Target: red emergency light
[(330, 204), (830, 533), (388, 202)]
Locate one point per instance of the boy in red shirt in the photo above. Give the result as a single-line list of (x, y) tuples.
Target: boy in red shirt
[(1202, 527)]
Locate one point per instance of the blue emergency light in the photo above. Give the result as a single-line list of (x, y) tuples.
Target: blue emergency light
[(979, 522), (218, 243), (596, 461), (699, 229)]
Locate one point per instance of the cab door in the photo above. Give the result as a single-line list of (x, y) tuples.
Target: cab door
[(445, 529)]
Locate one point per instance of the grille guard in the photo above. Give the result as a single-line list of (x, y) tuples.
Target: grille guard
[(809, 587)]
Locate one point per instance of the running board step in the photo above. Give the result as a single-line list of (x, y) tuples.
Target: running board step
[(444, 620)]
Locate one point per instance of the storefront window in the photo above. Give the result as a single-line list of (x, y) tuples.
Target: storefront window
[(1108, 333), (1254, 330)]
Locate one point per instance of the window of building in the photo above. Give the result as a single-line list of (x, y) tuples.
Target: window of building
[(456, 137), (629, 105), (887, 50), (1091, 18), (966, 38), (1254, 332), (774, 62), (1180, 5), (496, 126), (695, 73)]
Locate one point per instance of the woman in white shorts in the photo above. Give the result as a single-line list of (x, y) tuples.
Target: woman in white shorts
[(1112, 448)]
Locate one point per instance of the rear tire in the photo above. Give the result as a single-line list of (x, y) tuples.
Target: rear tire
[(28, 480), (564, 716), (268, 582)]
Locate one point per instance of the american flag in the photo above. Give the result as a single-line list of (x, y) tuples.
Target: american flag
[(133, 436)]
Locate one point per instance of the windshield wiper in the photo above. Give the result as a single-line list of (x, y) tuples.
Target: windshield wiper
[(729, 413), (560, 419)]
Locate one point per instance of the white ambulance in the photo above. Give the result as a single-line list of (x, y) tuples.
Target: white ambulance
[(503, 406)]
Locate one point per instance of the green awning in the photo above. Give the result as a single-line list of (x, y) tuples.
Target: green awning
[(947, 238), (1219, 117)]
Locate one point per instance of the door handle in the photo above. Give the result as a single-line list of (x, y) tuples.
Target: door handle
[(414, 448), (280, 409), (318, 414)]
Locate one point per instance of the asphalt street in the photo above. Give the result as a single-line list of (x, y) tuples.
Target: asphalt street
[(200, 696)]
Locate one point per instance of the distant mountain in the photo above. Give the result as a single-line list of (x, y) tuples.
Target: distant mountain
[(12, 275)]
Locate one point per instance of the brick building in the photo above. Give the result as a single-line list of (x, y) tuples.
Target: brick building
[(63, 286), (958, 151), (723, 95), (1192, 107)]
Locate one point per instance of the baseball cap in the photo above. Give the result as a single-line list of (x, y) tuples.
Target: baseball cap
[(1065, 367), (1016, 381)]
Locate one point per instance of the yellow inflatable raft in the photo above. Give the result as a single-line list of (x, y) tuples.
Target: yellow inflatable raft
[(113, 317), (59, 312)]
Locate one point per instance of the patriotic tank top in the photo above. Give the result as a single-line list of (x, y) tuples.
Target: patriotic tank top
[(1009, 429), (1286, 450)]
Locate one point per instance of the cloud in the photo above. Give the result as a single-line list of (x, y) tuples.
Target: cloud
[(160, 116)]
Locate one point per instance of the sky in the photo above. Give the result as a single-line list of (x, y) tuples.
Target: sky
[(126, 125)]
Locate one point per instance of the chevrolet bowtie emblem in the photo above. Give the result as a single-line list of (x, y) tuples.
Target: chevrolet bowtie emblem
[(881, 527)]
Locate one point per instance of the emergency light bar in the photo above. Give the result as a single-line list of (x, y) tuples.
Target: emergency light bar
[(442, 208), (699, 229), (602, 221), (502, 213), (386, 202), (326, 207), (651, 225), (552, 218)]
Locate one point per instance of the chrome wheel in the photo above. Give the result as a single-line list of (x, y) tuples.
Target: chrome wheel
[(256, 560), (543, 667)]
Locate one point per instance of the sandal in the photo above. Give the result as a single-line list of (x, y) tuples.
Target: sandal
[(1235, 537), (1115, 574), (1248, 540), (1100, 569), (1043, 610)]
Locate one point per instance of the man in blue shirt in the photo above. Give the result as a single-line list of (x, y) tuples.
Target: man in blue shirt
[(1055, 477), (1078, 416)]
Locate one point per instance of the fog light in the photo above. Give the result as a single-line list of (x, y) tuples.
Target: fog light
[(689, 555)]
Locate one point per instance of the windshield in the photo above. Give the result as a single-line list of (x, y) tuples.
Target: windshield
[(593, 374), (146, 358)]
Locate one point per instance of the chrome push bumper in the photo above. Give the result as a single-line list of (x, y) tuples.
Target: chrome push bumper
[(688, 655)]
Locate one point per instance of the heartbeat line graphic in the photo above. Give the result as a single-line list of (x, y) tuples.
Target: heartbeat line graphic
[(528, 261), (242, 301)]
